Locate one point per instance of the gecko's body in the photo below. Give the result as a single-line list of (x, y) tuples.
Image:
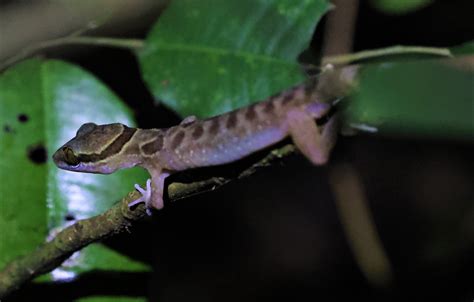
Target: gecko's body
[(199, 143)]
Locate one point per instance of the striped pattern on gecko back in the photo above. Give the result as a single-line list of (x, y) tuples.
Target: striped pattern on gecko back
[(231, 136)]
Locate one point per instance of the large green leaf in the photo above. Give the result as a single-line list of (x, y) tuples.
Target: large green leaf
[(430, 99), (210, 56), (23, 169), (42, 104), (466, 48)]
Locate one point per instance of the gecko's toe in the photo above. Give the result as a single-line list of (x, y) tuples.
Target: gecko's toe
[(146, 196), (140, 189), (147, 193), (137, 201)]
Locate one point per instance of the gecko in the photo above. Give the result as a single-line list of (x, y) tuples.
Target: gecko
[(213, 141)]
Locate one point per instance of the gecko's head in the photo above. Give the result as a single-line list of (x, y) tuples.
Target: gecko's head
[(96, 149)]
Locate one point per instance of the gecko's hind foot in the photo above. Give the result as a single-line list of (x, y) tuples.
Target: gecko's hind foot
[(146, 196)]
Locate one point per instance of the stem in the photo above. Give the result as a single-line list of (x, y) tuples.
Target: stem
[(359, 227), (394, 50), (339, 28), (131, 44)]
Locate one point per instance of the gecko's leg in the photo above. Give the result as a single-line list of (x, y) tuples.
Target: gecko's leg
[(156, 200), (317, 109), (306, 135), (152, 196)]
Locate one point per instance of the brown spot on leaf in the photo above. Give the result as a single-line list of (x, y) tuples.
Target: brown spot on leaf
[(37, 154), (23, 118), (7, 129), (69, 217)]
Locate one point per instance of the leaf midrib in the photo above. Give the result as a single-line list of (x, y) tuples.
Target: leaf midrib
[(215, 51)]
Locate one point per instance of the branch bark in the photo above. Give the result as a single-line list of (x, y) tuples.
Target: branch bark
[(112, 222)]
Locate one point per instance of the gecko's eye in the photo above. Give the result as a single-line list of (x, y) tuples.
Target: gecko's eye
[(69, 157)]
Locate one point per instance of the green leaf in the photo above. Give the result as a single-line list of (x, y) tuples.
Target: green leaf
[(207, 57), (400, 7), (23, 169), (463, 49), (429, 99), (56, 97)]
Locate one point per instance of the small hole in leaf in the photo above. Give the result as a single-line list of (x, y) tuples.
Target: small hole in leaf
[(37, 154), (69, 217), (23, 118)]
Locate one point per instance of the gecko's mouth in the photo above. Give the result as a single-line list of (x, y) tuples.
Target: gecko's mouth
[(70, 162)]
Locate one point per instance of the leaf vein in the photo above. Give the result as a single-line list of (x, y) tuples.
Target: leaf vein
[(217, 51)]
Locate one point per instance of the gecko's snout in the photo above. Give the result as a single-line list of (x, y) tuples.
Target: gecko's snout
[(57, 158), (64, 157)]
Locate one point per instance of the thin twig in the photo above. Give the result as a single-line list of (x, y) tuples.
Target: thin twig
[(132, 44), (359, 226), (394, 50), (339, 28), (351, 203)]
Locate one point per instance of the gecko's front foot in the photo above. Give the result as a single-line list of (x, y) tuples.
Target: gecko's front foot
[(146, 196)]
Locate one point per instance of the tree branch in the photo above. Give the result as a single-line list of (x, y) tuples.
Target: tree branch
[(113, 221), (388, 51), (131, 44)]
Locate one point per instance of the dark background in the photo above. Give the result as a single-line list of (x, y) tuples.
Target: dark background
[(277, 236)]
